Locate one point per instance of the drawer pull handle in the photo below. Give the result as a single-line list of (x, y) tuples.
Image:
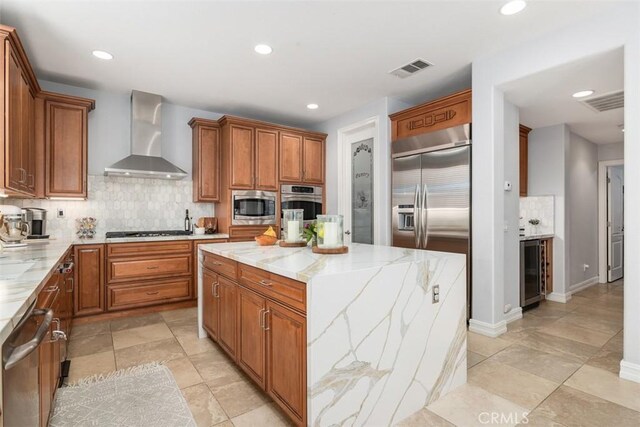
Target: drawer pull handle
[(264, 321), (261, 318), (266, 283), (152, 267), (214, 289), (153, 293), (216, 263)]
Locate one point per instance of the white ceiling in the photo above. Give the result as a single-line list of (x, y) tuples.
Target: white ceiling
[(336, 54), (545, 98)]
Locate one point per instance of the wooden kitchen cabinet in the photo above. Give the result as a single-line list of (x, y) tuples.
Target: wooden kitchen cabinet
[(227, 305), (251, 337), (17, 107), (206, 160), (524, 160), (291, 149), (241, 157), (266, 163), (301, 158), (286, 360), (89, 279), (66, 144), (210, 312)]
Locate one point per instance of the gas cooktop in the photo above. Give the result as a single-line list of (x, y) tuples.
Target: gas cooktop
[(121, 234)]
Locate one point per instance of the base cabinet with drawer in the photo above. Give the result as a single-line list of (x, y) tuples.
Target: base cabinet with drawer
[(89, 279), (269, 327)]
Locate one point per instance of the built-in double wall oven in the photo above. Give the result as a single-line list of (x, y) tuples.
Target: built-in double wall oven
[(305, 197), (254, 207)]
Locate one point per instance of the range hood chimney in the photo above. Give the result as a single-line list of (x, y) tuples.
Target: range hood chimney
[(146, 159)]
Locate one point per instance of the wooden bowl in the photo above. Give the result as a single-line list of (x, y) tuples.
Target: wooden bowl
[(264, 240)]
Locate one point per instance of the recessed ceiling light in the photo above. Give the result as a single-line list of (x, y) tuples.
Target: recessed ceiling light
[(168, 176), (513, 7), (312, 106), (263, 49), (102, 54), (582, 93)]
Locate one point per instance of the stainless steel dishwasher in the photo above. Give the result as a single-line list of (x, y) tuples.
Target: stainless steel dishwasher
[(20, 360)]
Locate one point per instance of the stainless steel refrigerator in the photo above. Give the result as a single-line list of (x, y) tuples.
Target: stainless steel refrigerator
[(431, 193)]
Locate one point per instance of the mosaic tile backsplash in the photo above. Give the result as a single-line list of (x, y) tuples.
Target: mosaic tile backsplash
[(539, 207), (123, 204)]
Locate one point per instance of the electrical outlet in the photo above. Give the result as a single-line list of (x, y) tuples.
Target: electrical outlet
[(436, 294), (60, 213)]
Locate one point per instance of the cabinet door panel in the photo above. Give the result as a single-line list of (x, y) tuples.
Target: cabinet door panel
[(313, 161), (29, 136), (286, 360), (251, 336), (227, 300), (66, 150), (210, 303), (207, 165), (89, 278), (242, 157), (290, 157), (14, 172), (266, 159)]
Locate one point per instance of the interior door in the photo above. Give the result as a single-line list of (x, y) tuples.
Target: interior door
[(446, 200), (615, 222), (406, 201)]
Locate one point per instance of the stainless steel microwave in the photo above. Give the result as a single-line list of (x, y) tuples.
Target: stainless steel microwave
[(252, 207)]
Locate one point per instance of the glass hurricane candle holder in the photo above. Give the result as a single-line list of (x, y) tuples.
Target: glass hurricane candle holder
[(292, 223), (330, 231)]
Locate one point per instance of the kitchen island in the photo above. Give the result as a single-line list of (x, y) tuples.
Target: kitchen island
[(378, 344)]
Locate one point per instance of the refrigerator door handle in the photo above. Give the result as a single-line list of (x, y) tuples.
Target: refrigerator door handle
[(423, 217), (417, 212)]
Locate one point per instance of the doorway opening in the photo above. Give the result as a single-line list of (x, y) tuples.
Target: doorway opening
[(611, 222)]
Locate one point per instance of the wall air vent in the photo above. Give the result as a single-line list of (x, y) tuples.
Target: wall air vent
[(606, 102), (411, 68)]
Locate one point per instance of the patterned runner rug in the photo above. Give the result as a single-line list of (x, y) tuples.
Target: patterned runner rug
[(145, 395)]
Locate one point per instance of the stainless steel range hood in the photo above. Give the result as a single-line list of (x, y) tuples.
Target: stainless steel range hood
[(146, 159)]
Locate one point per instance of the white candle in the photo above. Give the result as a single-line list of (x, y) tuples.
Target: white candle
[(330, 235), (293, 231)]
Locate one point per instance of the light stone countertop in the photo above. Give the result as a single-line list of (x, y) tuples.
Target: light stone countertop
[(536, 237), (301, 264), (24, 271)]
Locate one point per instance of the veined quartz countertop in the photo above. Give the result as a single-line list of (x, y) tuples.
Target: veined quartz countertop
[(302, 264), (537, 236), (24, 270)]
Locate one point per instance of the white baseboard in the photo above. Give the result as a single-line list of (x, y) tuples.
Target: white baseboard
[(492, 330), (513, 314), (629, 371), (577, 287), (558, 297)]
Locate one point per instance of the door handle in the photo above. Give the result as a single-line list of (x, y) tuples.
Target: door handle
[(264, 320), (423, 217), (416, 216), (348, 233), (22, 351)]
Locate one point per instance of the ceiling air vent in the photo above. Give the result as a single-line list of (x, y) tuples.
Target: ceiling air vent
[(411, 68), (607, 102)]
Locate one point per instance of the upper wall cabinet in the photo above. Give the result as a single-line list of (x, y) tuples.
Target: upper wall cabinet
[(301, 158), (452, 110), (65, 129), (206, 160), (17, 109), (524, 160)]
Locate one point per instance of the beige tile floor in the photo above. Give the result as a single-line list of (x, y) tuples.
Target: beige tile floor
[(558, 364), (217, 392)]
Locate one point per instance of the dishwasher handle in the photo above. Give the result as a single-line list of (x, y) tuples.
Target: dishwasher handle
[(22, 351)]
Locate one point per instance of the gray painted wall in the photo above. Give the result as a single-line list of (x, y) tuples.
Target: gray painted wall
[(512, 205), (380, 108), (109, 127), (582, 175), (548, 153), (611, 151)]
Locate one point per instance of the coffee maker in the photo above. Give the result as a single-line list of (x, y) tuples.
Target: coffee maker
[(37, 220)]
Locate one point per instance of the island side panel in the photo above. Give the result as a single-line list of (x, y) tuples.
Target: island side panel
[(201, 332), (378, 349)]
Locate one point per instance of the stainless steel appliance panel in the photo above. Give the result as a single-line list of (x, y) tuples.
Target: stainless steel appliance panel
[(305, 197), (254, 207), (406, 202)]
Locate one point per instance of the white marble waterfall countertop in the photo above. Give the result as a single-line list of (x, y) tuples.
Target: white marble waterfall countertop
[(24, 270), (302, 264)]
